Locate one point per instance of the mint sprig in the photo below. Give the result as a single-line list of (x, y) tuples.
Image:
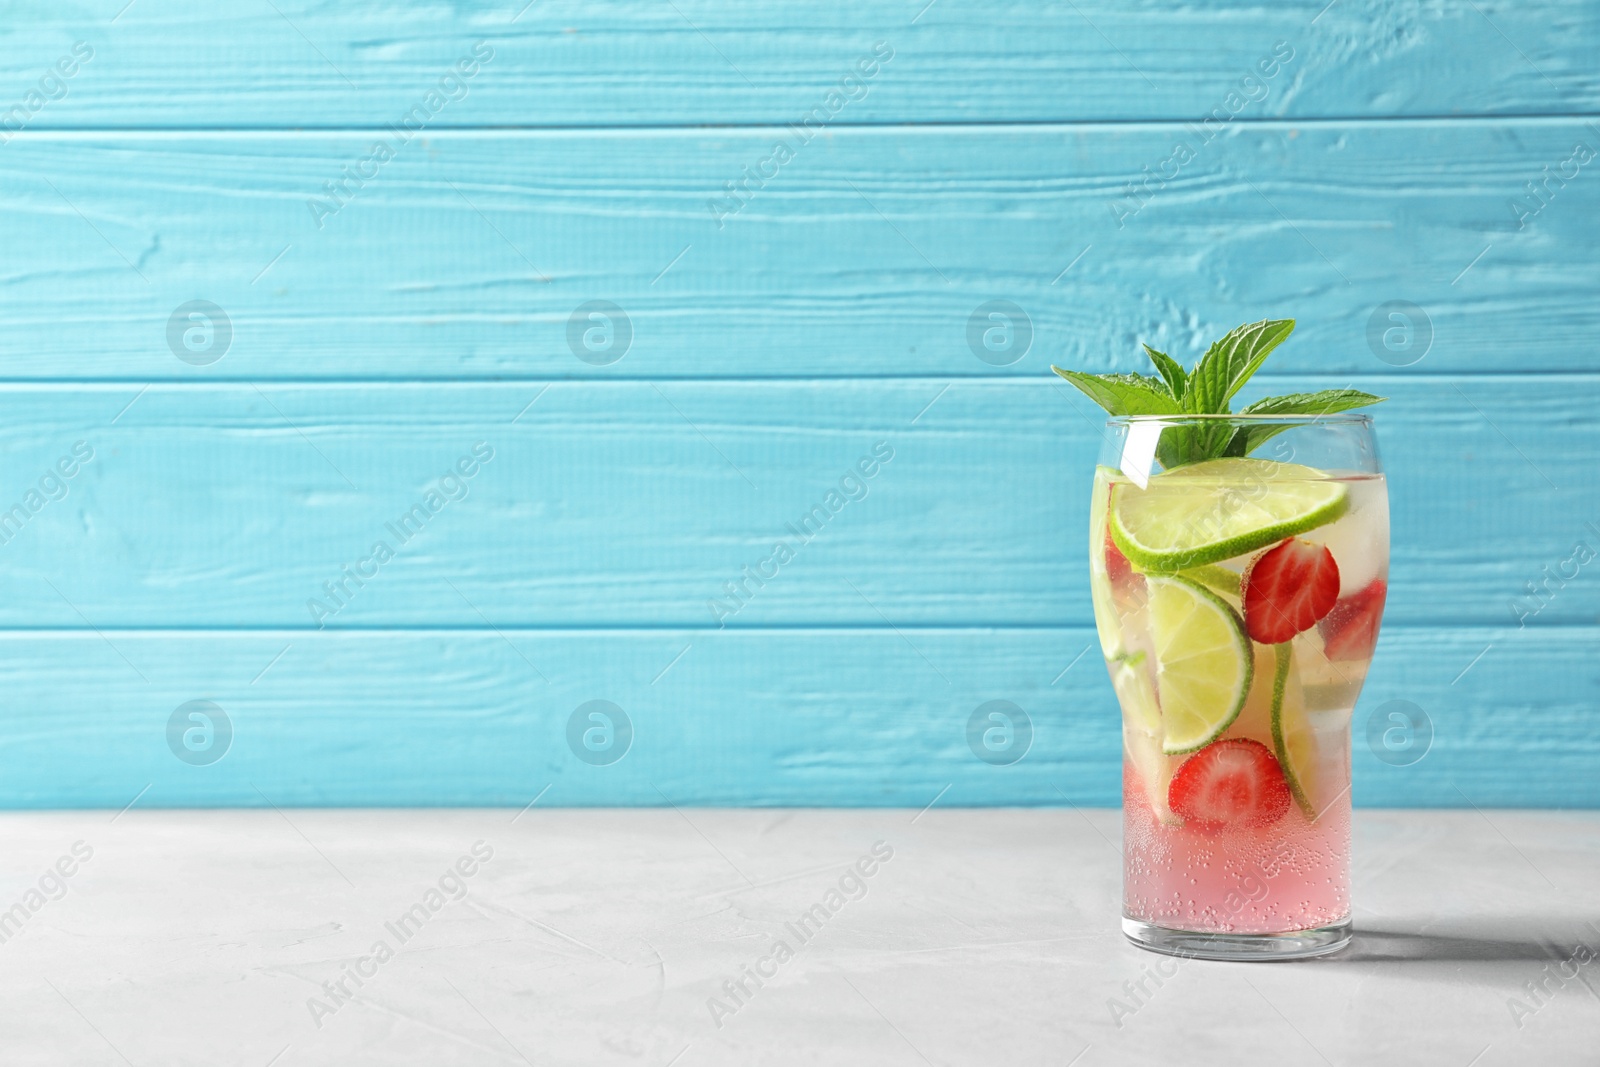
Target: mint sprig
[(1171, 372), (1207, 389)]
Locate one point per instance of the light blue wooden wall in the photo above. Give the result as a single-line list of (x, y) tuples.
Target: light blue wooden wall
[(989, 157)]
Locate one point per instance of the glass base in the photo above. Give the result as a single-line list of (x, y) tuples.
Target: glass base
[(1195, 944)]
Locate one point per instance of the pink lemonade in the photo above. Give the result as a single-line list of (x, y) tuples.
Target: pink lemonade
[(1269, 881), (1237, 603)]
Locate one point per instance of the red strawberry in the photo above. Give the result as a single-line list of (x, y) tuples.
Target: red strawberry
[(1287, 589), (1351, 628), (1126, 583), (1118, 569), (1229, 783)]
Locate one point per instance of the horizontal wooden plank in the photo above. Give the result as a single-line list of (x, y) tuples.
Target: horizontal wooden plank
[(637, 504), (863, 717), (301, 63), (871, 252)]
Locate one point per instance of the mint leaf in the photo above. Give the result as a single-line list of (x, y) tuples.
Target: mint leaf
[(1247, 439), (1230, 362), (1124, 394), (1171, 372), (1324, 402)]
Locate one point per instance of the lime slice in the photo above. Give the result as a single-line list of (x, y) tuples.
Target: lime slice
[(1204, 662), (1105, 610), (1255, 719), (1097, 512), (1131, 679), (1218, 578), (1154, 769), (1292, 737), (1219, 509)]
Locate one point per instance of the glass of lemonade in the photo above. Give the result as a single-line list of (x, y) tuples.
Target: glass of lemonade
[(1237, 601)]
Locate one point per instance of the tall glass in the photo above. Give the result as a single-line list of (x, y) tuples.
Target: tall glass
[(1239, 567)]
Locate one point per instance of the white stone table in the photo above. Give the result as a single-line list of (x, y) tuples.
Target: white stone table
[(988, 937)]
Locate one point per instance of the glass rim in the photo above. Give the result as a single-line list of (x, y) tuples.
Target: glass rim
[(1343, 417)]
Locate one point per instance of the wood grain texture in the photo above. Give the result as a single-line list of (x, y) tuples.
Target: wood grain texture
[(371, 334), (864, 717), (636, 504), (869, 253), (186, 63)]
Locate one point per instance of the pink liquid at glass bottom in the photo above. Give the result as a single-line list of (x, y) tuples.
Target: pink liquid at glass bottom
[(1294, 875)]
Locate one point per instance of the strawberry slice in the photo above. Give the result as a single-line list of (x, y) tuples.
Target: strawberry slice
[(1287, 589), (1236, 782), (1118, 569), (1127, 584), (1350, 630)]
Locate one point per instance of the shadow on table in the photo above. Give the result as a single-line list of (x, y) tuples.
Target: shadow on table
[(1487, 941)]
